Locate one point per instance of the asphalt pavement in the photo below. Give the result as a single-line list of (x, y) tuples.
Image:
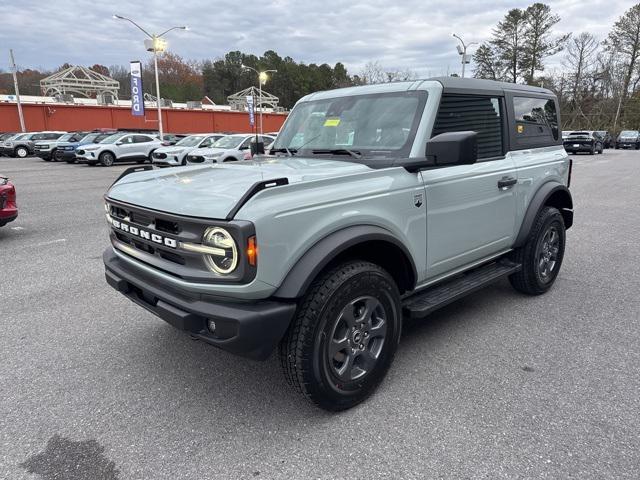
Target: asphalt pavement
[(498, 385)]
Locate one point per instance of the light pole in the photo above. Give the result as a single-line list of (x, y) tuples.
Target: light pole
[(262, 79), (463, 52), (155, 45)]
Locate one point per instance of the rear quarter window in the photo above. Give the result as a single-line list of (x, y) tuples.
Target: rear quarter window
[(536, 122)]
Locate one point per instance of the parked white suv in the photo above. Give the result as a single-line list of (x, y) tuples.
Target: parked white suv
[(175, 155), (231, 148), (119, 147)]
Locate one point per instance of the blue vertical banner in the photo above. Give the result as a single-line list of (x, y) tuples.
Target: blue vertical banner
[(252, 118), (137, 97)]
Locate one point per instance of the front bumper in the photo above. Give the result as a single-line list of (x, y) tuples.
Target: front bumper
[(90, 156), (44, 154), (7, 219), (626, 145), (249, 329)]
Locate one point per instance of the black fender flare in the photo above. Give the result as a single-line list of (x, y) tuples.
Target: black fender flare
[(562, 201), (316, 258)]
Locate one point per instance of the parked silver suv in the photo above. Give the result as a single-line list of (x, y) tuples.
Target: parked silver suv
[(230, 148), (385, 202), (119, 147), (175, 155), (21, 146)]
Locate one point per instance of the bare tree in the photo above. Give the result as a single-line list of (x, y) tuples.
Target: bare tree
[(580, 60), (374, 72)]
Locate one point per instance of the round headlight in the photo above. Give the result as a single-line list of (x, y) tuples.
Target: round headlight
[(226, 261)]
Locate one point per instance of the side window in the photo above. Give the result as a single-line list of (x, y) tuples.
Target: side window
[(536, 121), (480, 114), (246, 144), (141, 139), (266, 140), (207, 142)]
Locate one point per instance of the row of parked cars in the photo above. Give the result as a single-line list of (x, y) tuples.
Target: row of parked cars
[(106, 147), (595, 141)]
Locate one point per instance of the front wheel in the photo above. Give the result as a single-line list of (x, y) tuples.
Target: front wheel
[(107, 159), (21, 152), (342, 341), (542, 254)]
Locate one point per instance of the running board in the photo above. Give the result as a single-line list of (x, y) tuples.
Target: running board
[(423, 303)]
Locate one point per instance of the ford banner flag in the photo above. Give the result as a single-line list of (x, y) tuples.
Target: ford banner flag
[(252, 119), (137, 98)]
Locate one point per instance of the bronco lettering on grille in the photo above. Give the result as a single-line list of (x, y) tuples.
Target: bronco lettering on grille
[(138, 232)]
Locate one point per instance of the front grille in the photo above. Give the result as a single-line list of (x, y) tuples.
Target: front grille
[(154, 238), (195, 159), (159, 155), (80, 152)]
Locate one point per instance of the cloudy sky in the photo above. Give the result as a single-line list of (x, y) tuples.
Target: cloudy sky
[(413, 34)]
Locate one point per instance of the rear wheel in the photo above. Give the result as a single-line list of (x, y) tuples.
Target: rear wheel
[(345, 334), (542, 254), (21, 152), (107, 159), (58, 156)]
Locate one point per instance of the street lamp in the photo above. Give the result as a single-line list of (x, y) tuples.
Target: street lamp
[(463, 52), (262, 79), (155, 44)]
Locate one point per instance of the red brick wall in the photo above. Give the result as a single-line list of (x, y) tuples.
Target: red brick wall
[(77, 117)]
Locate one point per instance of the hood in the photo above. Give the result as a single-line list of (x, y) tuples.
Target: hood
[(172, 150), (211, 191), (210, 151), (87, 145)]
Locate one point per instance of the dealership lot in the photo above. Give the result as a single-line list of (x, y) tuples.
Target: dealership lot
[(497, 385)]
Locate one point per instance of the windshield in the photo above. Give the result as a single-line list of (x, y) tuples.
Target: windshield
[(629, 133), (381, 124), (190, 141), (67, 136), (113, 138), (228, 142)]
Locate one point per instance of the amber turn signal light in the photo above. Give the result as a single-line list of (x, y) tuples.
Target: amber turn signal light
[(252, 251)]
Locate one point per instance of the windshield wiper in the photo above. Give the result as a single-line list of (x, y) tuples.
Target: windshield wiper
[(338, 151), (289, 151)]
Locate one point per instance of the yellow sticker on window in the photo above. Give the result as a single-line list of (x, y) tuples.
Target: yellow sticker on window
[(520, 128), (332, 122)]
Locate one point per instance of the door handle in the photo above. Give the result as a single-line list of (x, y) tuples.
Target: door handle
[(506, 183)]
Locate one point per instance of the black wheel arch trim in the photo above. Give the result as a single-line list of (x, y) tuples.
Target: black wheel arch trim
[(540, 199), (323, 252)]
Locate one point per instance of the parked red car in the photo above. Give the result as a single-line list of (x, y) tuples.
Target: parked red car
[(8, 205)]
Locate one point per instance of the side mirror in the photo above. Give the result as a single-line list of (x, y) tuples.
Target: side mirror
[(257, 148), (453, 148), (118, 143)]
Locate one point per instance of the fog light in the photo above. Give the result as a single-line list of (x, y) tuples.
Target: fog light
[(211, 325)]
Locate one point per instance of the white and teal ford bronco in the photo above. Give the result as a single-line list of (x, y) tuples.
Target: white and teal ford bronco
[(382, 202)]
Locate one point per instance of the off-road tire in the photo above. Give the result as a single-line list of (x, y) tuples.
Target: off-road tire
[(303, 352), (530, 279), (107, 159)]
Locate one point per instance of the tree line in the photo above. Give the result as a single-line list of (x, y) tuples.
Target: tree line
[(598, 84), (183, 80)]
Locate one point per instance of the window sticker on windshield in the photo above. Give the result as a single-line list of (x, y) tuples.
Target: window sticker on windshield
[(332, 122)]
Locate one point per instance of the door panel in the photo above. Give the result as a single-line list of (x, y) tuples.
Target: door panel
[(468, 216)]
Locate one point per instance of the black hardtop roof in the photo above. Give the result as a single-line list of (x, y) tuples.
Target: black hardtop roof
[(477, 85)]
